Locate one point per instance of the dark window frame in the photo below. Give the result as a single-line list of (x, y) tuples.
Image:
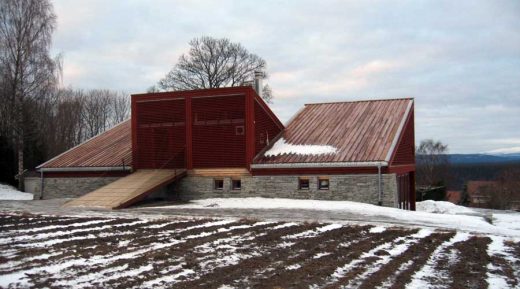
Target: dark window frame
[(234, 187), (218, 184), (323, 188), (302, 181)]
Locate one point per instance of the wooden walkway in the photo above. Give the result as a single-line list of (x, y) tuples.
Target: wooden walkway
[(128, 190)]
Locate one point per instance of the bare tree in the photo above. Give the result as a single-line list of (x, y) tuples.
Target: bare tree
[(505, 193), (28, 71), (120, 107), (432, 163), (213, 63)]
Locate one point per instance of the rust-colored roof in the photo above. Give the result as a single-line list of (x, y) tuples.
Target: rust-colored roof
[(361, 131), (107, 149), (475, 187), (454, 196)]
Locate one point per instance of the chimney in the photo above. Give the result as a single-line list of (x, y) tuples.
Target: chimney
[(258, 82)]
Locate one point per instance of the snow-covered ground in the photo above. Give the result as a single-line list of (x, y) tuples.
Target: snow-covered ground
[(441, 207), (429, 213), (8, 192), (41, 251)]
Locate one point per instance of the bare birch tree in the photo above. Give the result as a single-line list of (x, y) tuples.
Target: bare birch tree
[(25, 31), (432, 163)]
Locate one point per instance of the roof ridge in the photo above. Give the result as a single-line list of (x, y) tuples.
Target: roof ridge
[(363, 100)]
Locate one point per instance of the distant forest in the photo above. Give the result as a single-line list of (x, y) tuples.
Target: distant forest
[(460, 173)]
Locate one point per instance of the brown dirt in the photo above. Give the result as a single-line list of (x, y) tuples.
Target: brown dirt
[(470, 272), (263, 262), (417, 254)]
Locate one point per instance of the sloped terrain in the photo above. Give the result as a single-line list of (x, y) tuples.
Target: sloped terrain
[(113, 252)]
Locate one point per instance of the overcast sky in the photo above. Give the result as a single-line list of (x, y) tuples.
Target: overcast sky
[(460, 60)]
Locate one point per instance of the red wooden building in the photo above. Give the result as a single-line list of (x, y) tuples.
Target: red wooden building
[(228, 141)]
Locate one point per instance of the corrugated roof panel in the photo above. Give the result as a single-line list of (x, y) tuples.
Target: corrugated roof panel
[(361, 131), (108, 149)]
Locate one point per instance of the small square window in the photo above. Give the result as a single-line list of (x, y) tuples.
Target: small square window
[(236, 184), (323, 183), (303, 183), (219, 184), (239, 130)]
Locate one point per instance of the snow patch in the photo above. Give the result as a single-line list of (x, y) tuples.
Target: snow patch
[(281, 147), (293, 267), (8, 192), (510, 220), (471, 222), (441, 207), (377, 229)]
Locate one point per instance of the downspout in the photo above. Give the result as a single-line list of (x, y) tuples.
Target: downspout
[(380, 189), (41, 184)]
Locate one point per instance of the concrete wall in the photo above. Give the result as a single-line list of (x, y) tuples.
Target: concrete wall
[(66, 187), (358, 188)]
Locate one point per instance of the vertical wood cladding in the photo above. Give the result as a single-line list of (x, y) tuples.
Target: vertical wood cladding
[(265, 128), (405, 153), (219, 138), (161, 134)]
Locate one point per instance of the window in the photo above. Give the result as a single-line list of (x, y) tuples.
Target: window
[(303, 183), (219, 184), (239, 130), (323, 183), (236, 184)]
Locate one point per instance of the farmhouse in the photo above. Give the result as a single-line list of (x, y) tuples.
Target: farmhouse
[(226, 142)]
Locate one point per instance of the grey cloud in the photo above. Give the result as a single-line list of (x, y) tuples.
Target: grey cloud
[(459, 59)]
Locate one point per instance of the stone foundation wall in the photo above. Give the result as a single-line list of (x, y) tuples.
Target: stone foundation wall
[(67, 187), (193, 187), (357, 188)]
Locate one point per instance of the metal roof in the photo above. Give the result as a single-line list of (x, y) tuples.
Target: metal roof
[(360, 131), (109, 149)]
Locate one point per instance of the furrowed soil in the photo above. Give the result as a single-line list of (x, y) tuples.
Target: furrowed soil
[(44, 251)]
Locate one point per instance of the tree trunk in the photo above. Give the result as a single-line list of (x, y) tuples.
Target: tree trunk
[(19, 141)]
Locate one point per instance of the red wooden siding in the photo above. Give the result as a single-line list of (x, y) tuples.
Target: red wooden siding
[(265, 127), (218, 131), (161, 134), (405, 152)]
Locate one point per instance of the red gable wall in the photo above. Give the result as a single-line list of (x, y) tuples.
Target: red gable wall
[(267, 126), (219, 138), (210, 128), (160, 134), (405, 152)]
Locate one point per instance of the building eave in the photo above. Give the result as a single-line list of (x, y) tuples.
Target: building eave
[(86, 169), (320, 165)]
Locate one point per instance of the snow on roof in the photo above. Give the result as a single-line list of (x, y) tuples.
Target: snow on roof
[(282, 147)]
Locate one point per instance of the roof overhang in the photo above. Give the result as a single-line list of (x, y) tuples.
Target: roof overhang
[(86, 169), (320, 165)]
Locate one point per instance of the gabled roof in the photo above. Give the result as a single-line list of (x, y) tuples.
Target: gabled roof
[(340, 132), (108, 149)]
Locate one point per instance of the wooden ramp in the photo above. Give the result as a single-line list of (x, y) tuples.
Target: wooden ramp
[(128, 190)]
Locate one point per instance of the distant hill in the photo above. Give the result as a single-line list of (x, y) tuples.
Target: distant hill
[(483, 158)]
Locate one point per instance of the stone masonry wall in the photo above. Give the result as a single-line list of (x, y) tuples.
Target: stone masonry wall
[(358, 188), (194, 187), (68, 187)]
